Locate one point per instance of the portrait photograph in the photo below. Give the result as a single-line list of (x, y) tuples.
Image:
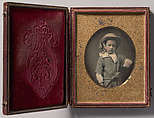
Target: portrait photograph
[(109, 57)]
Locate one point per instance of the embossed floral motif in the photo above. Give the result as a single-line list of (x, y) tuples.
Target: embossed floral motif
[(41, 69)]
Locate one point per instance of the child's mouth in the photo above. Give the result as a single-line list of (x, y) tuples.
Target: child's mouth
[(111, 51)]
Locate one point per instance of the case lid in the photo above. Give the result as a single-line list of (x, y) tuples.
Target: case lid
[(35, 48)]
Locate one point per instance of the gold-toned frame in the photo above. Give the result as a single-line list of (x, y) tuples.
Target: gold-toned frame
[(83, 89)]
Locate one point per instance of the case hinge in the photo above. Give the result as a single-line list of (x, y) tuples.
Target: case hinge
[(4, 104), (4, 14)]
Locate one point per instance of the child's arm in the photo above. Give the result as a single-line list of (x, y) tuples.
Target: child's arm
[(99, 78), (99, 71), (127, 63)]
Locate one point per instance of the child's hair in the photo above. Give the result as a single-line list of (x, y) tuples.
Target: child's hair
[(107, 40)]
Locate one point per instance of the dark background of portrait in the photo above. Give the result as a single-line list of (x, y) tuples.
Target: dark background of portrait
[(92, 50)]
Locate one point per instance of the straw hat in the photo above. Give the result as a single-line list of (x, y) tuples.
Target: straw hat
[(110, 36)]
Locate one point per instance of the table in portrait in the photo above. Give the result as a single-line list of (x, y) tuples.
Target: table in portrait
[(50, 59)]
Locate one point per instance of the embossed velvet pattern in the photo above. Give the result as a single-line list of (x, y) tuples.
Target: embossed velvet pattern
[(37, 57)]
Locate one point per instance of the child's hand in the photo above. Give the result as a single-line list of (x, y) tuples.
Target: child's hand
[(99, 78), (127, 63), (102, 84)]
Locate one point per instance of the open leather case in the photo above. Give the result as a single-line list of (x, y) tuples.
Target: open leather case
[(50, 56)]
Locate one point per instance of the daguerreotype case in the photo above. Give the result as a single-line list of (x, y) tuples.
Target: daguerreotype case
[(88, 57)]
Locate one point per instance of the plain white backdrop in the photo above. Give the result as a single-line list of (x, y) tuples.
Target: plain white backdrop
[(86, 112)]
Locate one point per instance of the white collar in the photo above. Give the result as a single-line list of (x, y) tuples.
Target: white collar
[(106, 54)]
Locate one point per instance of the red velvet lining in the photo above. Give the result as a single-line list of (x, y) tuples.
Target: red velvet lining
[(37, 53)]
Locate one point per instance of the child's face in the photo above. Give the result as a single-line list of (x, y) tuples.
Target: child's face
[(110, 46)]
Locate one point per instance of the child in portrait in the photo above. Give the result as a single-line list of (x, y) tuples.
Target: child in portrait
[(110, 64)]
